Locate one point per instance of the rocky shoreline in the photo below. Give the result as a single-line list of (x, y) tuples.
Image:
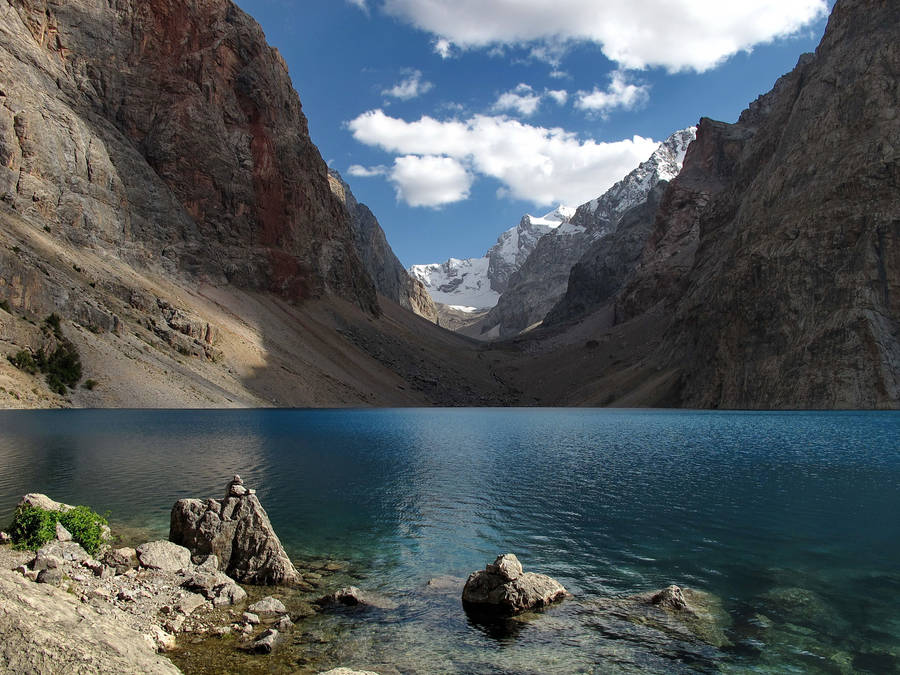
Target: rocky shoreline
[(161, 605)]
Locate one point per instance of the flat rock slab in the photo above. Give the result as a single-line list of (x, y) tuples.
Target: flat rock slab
[(164, 555), (268, 607), (46, 630)]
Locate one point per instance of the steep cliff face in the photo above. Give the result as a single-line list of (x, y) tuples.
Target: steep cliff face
[(792, 296), (542, 279), (379, 260), (169, 133)]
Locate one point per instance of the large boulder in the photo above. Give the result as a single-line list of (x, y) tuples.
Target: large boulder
[(237, 530), (503, 587), (164, 555)]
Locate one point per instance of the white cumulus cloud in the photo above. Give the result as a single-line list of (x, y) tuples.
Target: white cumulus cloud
[(366, 171), (443, 48), (361, 4), (674, 34), (619, 94), (559, 95), (533, 163), (412, 86), (430, 181), (522, 100)]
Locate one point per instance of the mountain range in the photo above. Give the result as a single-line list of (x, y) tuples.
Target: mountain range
[(161, 196)]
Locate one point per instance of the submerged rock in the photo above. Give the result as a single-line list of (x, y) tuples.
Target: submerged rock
[(265, 643), (681, 613), (351, 596), (237, 530), (503, 587)]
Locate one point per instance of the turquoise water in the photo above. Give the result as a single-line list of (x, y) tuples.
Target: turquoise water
[(791, 519)]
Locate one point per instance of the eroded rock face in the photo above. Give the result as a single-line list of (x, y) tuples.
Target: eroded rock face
[(237, 531), (503, 587), (224, 184)]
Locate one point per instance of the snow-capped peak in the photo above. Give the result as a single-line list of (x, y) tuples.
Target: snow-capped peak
[(478, 282)]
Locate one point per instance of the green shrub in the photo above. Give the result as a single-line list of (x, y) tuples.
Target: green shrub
[(63, 367), (86, 527), (33, 527), (52, 322), (4, 305), (90, 385), (23, 360)]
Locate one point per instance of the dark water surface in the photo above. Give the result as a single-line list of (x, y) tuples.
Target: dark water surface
[(792, 519)]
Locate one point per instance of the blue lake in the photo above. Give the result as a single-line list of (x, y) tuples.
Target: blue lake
[(791, 519)]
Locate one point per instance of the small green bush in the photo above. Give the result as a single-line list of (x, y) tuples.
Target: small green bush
[(52, 322), (63, 367), (86, 527), (33, 527), (90, 385), (4, 305), (23, 360)]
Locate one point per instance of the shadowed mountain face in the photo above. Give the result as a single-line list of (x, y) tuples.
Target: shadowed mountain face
[(794, 298), (774, 256)]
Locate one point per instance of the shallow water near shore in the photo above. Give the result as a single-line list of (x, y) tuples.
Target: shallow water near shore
[(792, 519)]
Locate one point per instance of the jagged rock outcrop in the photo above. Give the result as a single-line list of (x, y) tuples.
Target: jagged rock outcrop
[(793, 299), (390, 277), (542, 280), (237, 531), (503, 587), (169, 135)]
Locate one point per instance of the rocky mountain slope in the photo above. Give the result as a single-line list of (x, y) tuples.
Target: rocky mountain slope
[(477, 283), (160, 193), (542, 279), (794, 297), (390, 278), (770, 276)]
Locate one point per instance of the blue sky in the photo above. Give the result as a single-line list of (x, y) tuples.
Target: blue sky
[(451, 119)]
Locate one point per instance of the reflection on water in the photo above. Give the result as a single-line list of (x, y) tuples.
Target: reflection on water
[(790, 518)]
